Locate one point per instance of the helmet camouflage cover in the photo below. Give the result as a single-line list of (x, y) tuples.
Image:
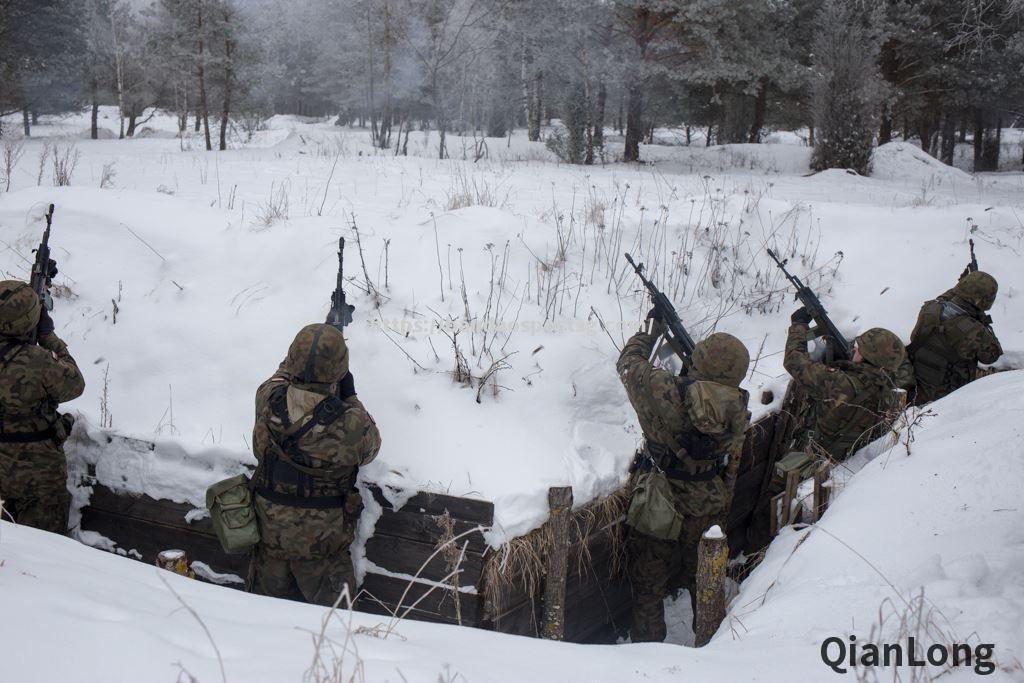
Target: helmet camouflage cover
[(882, 349), (979, 288), (318, 355), (19, 309), (721, 358)]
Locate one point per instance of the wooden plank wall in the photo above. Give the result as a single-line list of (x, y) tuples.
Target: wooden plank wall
[(597, 591), (404, 542), (758, 457), (149, 526)]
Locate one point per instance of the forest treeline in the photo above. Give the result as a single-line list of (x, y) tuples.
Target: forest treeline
[(853, 73)]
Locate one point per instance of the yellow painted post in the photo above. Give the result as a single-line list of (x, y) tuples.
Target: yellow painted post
[(712, 556), (175, 561)]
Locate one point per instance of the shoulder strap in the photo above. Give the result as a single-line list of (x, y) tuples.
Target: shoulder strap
[(324, 413), (6, 356)]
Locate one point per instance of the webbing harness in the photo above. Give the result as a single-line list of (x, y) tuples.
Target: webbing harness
[(288, 464)]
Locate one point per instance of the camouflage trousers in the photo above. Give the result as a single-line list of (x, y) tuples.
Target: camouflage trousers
[(657, 566), (33, 485), (303, 553), (316, 581)]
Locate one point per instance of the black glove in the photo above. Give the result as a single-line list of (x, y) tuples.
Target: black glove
[(800, 317), (346, 387), (985, 319), (51, 269), (655, 314), (45, 325)]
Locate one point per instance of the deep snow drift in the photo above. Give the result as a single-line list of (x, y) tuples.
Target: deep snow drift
[(942, 522)]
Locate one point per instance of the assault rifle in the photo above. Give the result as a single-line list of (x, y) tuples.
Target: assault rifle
[(340, 314), (837, 348), (676, 336), (972, 265), (44, 269)]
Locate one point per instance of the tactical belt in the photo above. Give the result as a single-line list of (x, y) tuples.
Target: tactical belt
[(28, 437), (309, 502), (656, 456)]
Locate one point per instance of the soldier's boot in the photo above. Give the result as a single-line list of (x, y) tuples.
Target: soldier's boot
[(48, 515), (322, 580), (272, 576), (48, 512), (650, 562)]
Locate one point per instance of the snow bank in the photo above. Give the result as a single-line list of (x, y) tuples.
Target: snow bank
[(907, 161), (943, 520)]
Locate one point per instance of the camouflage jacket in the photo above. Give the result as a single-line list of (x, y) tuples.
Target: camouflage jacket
[(33, 381), (846, 401), (335, 449), (673, 409), (949, 340)]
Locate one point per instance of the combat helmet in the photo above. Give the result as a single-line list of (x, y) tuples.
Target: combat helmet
[(721, 358), (882, 349), (978, 288), (317, 356), (19, 309)]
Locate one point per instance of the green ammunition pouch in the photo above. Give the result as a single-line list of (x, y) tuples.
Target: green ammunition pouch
[(651, 508), (794, 461), (232, 513)]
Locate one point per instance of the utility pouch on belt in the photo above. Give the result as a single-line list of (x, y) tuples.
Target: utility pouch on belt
[(233, 515), (353, 504), (65, 423), (651, 511)]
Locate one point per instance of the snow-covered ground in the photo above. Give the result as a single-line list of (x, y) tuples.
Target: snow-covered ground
[(926, 544), (214, 261)]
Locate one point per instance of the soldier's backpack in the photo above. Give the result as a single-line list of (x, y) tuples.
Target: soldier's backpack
[(233, 515)]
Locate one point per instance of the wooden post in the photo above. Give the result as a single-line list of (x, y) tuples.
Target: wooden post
[(712, 555), (901, 400), (819, 501), (556, 563), (174, 561), (792, 482), (774, 514)]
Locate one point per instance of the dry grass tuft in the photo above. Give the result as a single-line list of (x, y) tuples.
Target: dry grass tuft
[(520, 562)]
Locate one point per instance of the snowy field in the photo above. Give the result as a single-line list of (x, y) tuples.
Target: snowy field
[(185, 276), (927, 544), (212, 262)]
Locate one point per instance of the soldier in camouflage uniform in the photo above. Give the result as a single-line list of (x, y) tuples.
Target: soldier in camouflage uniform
[(953, 334), (847, 400), (33, 381), (694, 430), (312, 433)]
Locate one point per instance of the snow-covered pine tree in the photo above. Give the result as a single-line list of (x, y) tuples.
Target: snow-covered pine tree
[(847, 88)]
